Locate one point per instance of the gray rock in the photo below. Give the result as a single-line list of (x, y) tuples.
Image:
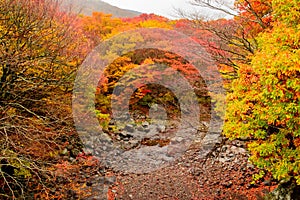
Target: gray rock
[(227, 184), (267, 182), (230, 155), (125, 135), (144, 129), (147, 130), (140, 128), (284, 192), (239, 144), (161, 128), (110, 180), (145, 124), (129, 128), (112, 123), (179, 139), (238, 150), (224, 159), (134, 143)]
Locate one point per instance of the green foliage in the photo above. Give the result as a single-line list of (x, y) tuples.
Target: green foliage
[(20, 165), (149, 94), (264, 106), (103, 118), (258, 176)]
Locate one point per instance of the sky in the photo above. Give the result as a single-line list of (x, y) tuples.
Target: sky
[(165, 8)]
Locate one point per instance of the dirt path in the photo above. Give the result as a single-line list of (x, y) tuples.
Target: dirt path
[(194, 174), (226, 176)]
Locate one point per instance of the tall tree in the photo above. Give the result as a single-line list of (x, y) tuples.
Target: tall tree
[(39, 54), (264, 107), (234, 40)]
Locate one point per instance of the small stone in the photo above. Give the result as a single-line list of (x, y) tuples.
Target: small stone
[(179, 139), (224, 148), (145, 124), (72, 160), (147, 130), (205, 123), (267, 182), (110, 180), (140, 128), (239, 144), (242, 151), (134, 143), (112, 122), (187, 165), (197, 173), (228, 184), (230, 155), (233, 148), (125, 135), (161, 128), (65, 151), (224, 160), (129, 128)]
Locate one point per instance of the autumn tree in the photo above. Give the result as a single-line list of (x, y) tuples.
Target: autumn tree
[(233, 40), (259, 44), (143, 96), (150, 21), (39, 54), (264, 105), (100, 26)]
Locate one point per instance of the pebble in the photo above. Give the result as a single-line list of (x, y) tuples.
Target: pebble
[(267, 182), (129, 128), (161, 128), (110, 180), (228, 184), (231, 155), (145, 124), (140, 128)]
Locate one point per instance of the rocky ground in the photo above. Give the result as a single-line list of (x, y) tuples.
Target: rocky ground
[(227, 176), (195, 173)]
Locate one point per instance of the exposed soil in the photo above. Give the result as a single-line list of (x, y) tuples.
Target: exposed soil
[(191, 177), (225, 173)]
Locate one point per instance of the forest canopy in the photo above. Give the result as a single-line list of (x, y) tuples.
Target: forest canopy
[(42, 47)]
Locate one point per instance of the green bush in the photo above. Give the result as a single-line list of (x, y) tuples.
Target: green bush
[(264, 106)]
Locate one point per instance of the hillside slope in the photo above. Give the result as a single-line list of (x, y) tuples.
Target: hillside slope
[(86, 7)]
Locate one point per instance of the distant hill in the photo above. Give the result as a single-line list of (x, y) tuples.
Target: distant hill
[(87, 7)]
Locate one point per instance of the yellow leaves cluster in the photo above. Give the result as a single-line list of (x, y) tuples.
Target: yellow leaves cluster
[(264, 104)]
